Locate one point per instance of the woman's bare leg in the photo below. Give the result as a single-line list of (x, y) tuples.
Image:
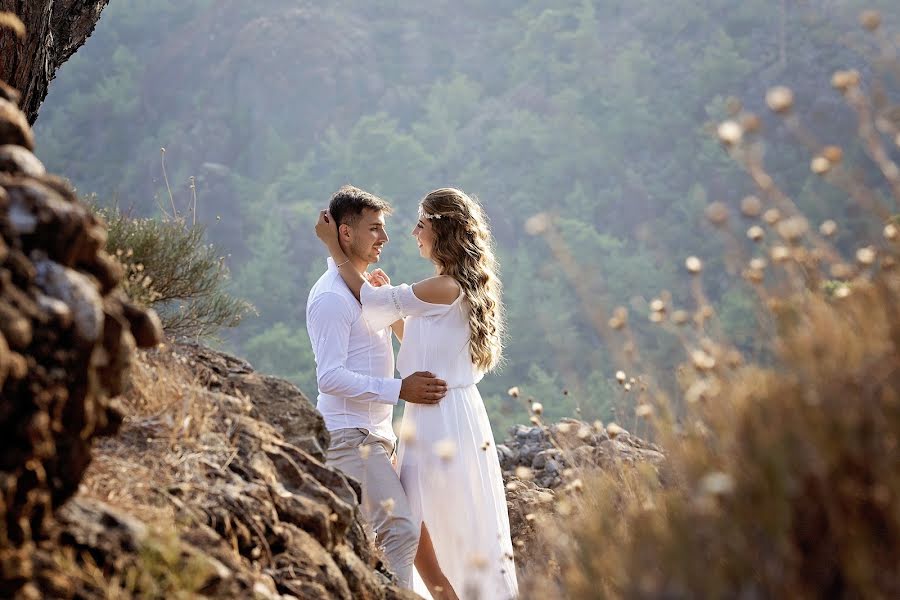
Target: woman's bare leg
[(428, 567)]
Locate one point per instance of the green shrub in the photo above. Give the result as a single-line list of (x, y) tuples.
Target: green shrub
[(169, 267)]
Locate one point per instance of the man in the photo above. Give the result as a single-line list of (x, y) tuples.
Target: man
[(357, 388)]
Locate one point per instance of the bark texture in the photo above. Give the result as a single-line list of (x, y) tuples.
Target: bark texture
[(55, 29)]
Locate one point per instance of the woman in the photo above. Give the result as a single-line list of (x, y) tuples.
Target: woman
[(451, 325)]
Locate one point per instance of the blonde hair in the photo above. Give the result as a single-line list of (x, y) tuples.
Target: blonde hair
[(464, 250)]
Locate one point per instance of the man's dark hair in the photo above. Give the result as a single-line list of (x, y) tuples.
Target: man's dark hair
[(348, 203)]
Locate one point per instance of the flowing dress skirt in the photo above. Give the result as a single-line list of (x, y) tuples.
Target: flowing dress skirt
[(451, 474)]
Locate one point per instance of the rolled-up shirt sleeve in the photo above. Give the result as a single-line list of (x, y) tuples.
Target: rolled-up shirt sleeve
[(329, 322)]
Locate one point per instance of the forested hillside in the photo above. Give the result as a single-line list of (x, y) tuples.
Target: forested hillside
[(594, 112)]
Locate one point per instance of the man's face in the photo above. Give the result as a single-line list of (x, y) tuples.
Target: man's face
[(366, 238)]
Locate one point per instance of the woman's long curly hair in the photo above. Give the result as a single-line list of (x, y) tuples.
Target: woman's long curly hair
[(464, 249)]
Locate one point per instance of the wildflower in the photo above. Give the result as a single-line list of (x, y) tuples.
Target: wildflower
[(866, 256), (750, 123), (702, 360), (772, 216), (524, 473), (891, 232), (844, 80), (756, 233), (576, 485), (779, 254), (793, 228), (597, 425), (680, 317), (870, 19), (614, 430), (445, 449), (780, 99), (388, 505), (751, 206), (537, 224), (407, 431), (644, 411), (820, 165), (717, 483), (758, 263), (693, 264), (537, 408), (828, 228), (842, 292), (657, 305), (513, 391), (730, 133), (717, 213), (834, 154)]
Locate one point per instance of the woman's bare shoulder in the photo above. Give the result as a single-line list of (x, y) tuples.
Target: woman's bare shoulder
[(441, 289)]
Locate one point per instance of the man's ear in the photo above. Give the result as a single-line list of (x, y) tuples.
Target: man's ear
[(344, 232)]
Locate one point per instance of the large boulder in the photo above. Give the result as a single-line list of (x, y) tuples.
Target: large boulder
[(67, 337)]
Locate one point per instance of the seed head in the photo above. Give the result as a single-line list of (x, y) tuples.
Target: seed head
[(756, 233), (445, 449), (644, 411), (680, 317), (793, 228), (842, 292), (388, 505), (614, 430), (702, 360), (513, 391), (834, 154), (657, 305), (751, 206), (772, 216), (870, 19), (891, 232), (717, 213), (717, 483), (758, 263), (844, 80), (537, 224), (779, 254), (524, 473), (866, 255), (620, 376), (780, 99), (730, 133), (537, 408), (828, 228), (820, 165), (693, 264), (750, 123)]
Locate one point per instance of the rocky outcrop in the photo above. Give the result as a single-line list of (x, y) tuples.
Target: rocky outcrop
[(199, 494), (545, 468), (67, 337)]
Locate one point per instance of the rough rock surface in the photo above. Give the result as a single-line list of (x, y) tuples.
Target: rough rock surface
[(219, 500), (543, 469), (67, 337)]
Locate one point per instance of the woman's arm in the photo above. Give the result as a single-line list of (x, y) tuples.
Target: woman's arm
[(327, 231), (397, 328)]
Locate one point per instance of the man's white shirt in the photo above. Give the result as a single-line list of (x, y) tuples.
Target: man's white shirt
[(354, 363)]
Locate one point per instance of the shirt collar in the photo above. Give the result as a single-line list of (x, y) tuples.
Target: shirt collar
[(331, 265)]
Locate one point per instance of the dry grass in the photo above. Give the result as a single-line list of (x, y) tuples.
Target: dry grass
[(781, 480)]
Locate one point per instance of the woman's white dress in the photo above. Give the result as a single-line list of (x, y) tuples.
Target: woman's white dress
[(447, 458)]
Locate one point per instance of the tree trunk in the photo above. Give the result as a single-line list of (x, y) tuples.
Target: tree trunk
[(55, 29)]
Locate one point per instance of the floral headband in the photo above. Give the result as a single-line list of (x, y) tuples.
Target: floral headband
[(428, 216)]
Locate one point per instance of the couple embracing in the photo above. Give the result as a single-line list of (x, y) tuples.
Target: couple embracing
[(436, 504)]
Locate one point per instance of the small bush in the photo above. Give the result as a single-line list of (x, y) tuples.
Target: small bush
[(170, 268)]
